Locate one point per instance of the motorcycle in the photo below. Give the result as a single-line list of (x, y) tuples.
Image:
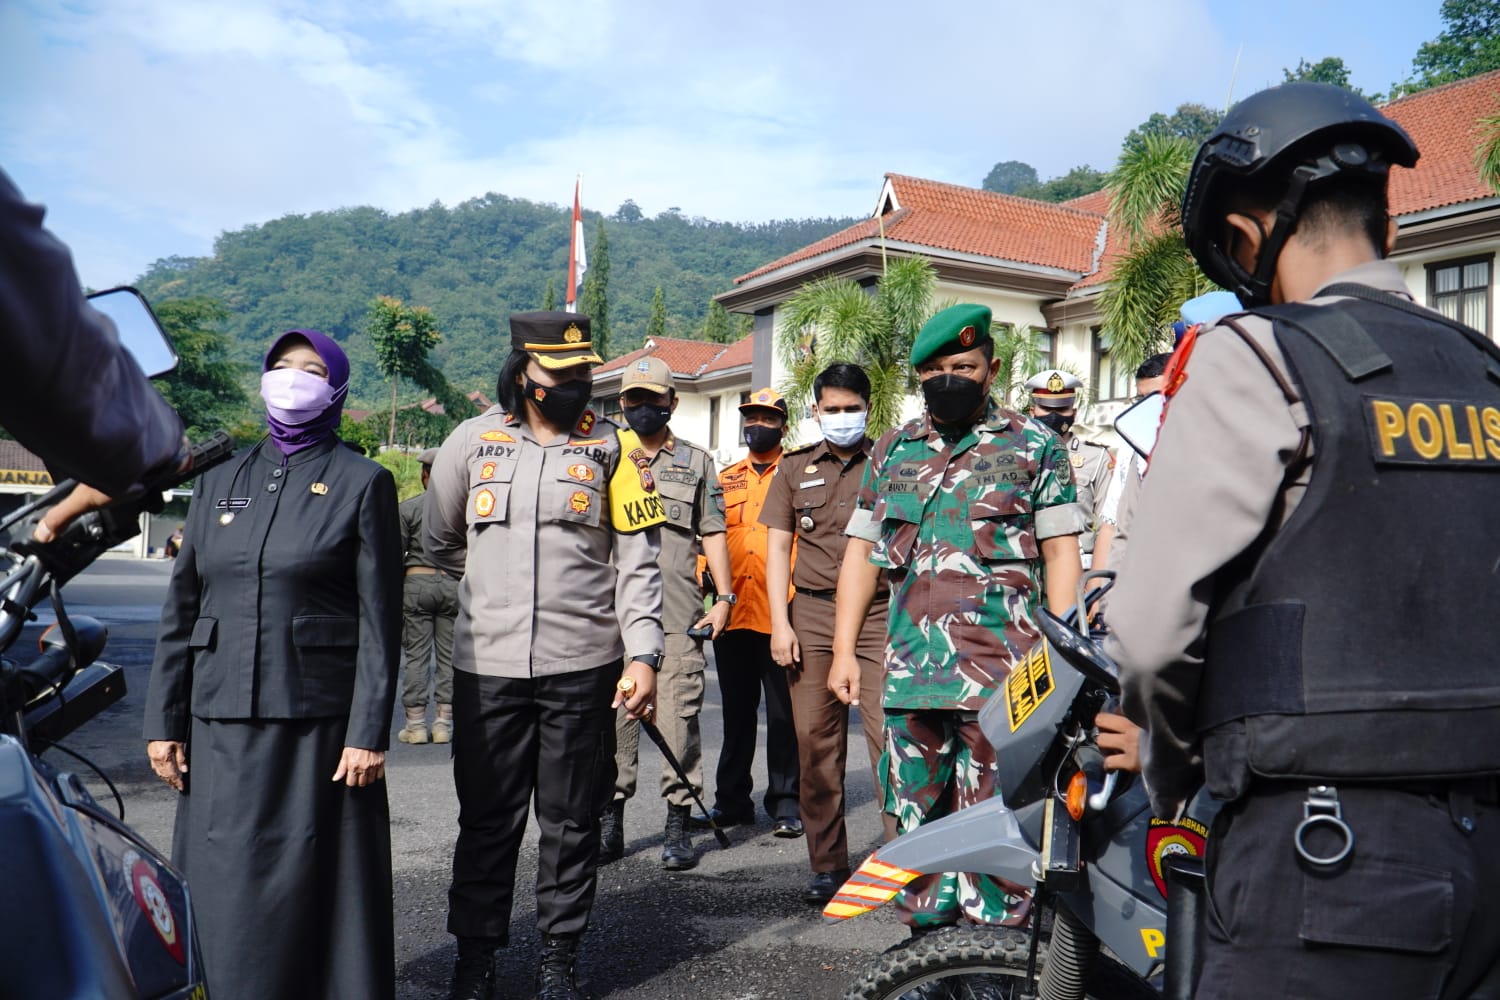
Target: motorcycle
[(91, 909), (1085, 838)]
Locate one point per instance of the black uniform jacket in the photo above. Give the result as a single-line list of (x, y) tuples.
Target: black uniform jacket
[(285, 602)]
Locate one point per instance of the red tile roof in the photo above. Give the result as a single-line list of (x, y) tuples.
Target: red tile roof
[(741, 354), (1443, 122), (967, 220), (686, 358)]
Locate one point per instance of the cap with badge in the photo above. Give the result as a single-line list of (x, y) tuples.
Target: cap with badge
[(1053, 389), (649, 373), (554, 339), (765, 399), (953, 330)]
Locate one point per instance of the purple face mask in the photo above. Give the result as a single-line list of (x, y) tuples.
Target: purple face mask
[(294, 396)]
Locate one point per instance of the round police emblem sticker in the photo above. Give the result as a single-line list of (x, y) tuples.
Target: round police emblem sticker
[(675, 512)]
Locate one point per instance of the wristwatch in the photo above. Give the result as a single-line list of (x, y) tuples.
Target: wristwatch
[(728, 599), (652, 660)]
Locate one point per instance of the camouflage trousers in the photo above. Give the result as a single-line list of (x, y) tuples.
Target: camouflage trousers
[(935, 763)]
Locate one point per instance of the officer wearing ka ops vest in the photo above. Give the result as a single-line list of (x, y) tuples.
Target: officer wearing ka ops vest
[(1303, 616)]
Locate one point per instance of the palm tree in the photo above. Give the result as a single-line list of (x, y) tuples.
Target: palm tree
[(1156, 274), (835, 319), (1487, 155), (1019, 351)]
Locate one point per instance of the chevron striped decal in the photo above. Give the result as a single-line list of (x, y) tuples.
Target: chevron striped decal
[(873, 885)]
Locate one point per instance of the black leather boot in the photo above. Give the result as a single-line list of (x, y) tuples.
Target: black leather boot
[(612, 832), (676, 846), (555, 978), (474, 972)]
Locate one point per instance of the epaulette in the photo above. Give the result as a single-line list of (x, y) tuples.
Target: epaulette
[(802, 449)]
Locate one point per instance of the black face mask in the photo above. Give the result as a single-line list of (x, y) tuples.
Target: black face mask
[(761, 439), (561, 405), (646, 419), (952, 399), (1057, 421)]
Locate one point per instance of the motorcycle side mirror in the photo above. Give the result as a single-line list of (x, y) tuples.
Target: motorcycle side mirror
[(1082, 652), (140, 331)]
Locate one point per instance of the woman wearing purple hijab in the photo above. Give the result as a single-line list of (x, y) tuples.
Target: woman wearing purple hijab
[(274, 681)]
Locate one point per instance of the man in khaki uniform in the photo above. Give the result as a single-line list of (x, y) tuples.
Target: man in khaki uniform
[(809, 503), (1054, 403), (429, 603), (694, 506)]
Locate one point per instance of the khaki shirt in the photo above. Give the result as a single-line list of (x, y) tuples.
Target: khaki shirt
[(813, 499), (411, 511), (1217, 477), (690, 494), (1093, 465), (549, 586)]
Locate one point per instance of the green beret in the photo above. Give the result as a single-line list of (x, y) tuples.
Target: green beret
[(954, 330)]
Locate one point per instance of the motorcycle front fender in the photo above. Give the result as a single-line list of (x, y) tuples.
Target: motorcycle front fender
[(986, 839)]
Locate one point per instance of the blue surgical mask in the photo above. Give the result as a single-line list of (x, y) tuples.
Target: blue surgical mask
[(843, 430)]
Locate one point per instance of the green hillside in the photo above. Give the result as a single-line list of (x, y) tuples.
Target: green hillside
[(473, 265)]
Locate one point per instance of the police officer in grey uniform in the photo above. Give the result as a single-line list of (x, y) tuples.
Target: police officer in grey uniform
[(550, 515), (1054, 402), (429, 603), (694, 504), (1302, 616)]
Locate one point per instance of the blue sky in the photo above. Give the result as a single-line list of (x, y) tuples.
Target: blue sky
[(150, 126)]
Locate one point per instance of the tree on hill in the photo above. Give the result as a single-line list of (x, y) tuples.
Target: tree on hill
[(657, 327), (835, 319), (717, 329), (204, 388), (1193, 122), (1010, 176), (1330, 69), (403, 335), (1469, 45), (1074, 184), (549, 297), (594, 303), (629, 211)]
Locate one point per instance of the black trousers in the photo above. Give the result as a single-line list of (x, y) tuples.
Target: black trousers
[(550, 739), (745, 668), (1413, 912)]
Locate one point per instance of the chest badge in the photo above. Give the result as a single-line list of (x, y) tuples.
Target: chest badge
[(226, 518), (487, 471), (319, 489), (806, 523), (1077, 460), (581, 472), (580, 501), (810, 469), (484, 503)]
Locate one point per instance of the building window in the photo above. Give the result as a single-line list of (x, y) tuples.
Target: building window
[(1110, 381), (1046, 346), (713, 423), (1460, 290)]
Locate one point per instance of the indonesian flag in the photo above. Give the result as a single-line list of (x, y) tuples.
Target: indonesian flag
[(578, 261)]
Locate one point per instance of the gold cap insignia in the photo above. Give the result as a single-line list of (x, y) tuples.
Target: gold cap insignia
[(572, 334), (1055, 383)]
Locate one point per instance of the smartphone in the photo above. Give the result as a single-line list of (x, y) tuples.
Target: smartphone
[(1139, 424), (702, 632)]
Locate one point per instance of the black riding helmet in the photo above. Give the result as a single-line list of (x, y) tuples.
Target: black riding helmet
[(1304, 132)]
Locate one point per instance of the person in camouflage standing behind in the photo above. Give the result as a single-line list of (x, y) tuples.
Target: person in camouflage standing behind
[(972, 510)]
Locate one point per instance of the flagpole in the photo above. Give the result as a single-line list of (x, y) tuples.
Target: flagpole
[(575, 247)]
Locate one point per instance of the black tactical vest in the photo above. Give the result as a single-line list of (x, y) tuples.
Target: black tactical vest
[(1358, 642)]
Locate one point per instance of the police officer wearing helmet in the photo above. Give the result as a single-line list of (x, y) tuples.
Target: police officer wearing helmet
[(551, 516), (1054, 402), (1298, 615)]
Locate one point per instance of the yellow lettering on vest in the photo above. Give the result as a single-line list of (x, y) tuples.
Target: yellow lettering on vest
[(1424, 430), (1152, 940), (1472, 412), (1390, 424), (1456, 449), (1491, 418)]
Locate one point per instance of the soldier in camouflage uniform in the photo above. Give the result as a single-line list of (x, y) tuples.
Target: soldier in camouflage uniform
[(972, 510)]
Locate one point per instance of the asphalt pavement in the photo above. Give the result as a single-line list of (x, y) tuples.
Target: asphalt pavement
[(731, 929)]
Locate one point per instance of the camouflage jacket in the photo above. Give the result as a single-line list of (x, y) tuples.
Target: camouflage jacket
[(959, 528)]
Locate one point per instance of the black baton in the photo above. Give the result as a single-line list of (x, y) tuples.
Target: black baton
[(649, 728)]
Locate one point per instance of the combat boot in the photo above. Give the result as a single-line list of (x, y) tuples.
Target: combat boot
[(676, 846), (555, 977), (612, 832), (474, 971), (442, 725)]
